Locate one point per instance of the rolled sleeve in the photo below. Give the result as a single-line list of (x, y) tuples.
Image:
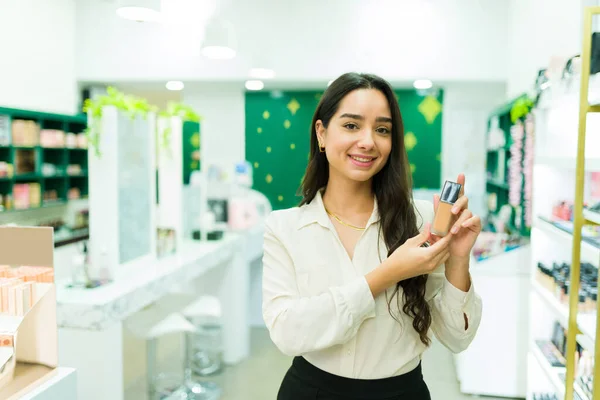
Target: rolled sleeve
[(455, 298), (449, 308)]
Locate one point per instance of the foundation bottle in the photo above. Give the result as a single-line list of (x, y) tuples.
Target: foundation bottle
[(443, 218)]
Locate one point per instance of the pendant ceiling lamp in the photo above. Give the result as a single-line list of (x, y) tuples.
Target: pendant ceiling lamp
[(219, 40), (139, 10)]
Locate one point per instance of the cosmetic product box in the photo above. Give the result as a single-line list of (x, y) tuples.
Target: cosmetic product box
[(28, 331), (5, 130), (25, 133)]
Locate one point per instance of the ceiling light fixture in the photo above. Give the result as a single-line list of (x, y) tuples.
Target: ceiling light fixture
[(219, 40), (254, 85), (175, 85), (261, 73), (139, 10), (422, 84)]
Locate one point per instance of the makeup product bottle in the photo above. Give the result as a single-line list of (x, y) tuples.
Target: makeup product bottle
[(443, 216)]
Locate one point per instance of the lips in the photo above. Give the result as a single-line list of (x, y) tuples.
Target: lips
[(363, 159)]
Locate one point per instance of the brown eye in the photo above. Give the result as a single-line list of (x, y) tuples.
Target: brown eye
[(351, 126), (383, 130)]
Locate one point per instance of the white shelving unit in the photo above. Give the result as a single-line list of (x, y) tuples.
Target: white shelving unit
[(592, 216), (589, 252), (556, 119)]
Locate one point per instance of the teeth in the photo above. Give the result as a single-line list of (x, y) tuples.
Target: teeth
[(361, 159)]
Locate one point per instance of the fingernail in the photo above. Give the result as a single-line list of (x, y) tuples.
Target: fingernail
[(454, 210), (455, 229)]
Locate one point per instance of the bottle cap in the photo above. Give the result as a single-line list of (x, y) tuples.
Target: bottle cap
[(450, 192)]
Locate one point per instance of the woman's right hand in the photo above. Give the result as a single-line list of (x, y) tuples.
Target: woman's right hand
[(413, 259), (410, 260)]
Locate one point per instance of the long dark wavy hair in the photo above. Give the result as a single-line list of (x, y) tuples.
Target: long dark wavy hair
[(392, 187)]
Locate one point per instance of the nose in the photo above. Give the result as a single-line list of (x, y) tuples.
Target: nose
[(366, 141)]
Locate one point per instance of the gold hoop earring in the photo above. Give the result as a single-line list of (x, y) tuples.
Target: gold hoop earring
[(321, 148)]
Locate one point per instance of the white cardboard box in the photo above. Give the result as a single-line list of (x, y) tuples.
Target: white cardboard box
[(35, 335)]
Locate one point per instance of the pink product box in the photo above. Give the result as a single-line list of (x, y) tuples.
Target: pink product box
[(82, 141), (71, 140), (21, 196), (52, 138)]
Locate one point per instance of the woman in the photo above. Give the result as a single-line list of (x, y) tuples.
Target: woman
[(351, 288)]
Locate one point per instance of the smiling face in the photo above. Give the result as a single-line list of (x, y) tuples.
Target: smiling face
[(358, 139)]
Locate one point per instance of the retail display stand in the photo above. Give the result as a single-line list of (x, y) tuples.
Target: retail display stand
[(508, 178), (43, 159), (28, 329), (578, 221), (122, 188), (170, 181), (565, 253), (178, 158)]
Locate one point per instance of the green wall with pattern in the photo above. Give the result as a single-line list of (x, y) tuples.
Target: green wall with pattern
[(277, 139)]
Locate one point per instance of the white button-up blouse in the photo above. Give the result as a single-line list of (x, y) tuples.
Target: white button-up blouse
[(317, 303)]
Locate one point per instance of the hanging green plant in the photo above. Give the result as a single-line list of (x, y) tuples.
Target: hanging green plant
[(176, 109), (521, 108), (133, 106)]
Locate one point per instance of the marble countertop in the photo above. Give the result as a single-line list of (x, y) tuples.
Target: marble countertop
[(145, 281)]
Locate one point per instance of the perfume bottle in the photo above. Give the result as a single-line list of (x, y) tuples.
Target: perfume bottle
[(443, 215)]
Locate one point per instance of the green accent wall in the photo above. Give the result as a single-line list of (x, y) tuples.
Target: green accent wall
[(191, 149), (278, 139)]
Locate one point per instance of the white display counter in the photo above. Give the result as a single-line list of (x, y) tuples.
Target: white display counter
[(61, 385), (91, 320), (495, 364)]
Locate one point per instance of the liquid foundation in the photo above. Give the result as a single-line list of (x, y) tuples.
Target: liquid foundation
[(442, 221)]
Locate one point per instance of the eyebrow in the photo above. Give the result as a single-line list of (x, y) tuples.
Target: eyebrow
[(361, 118)]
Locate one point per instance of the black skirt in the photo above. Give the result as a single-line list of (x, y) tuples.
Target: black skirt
[(304, 381)]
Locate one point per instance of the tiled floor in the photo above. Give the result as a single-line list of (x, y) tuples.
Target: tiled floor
[(258, 378)]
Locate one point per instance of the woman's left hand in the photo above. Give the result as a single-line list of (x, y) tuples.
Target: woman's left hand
[(466, 226)]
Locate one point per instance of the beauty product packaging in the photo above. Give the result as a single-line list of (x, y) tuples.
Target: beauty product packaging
[(28, 330), (25, 133), (5, 130), (443, 218)]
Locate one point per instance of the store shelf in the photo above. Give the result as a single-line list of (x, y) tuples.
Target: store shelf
[(498, 183), (553, 373), (591, 164), (589, 252), (48, 204), (561, 311), (586, 323), (591, 216)]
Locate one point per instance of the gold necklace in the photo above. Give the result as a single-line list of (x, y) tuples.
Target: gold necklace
[(342, 222)]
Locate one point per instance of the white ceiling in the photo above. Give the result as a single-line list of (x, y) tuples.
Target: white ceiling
[(307, 42)]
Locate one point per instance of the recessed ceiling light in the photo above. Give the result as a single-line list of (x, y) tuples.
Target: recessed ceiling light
[(422, 84), (139, 10), (261, 73), (218, 52), (175, 85), (254, 85)]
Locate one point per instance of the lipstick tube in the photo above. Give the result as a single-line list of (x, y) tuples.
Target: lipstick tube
[(442, 221)]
